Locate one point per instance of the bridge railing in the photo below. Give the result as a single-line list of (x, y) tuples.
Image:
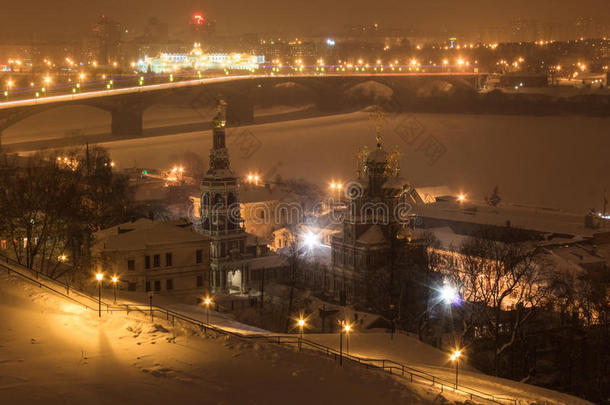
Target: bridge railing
[(394, 368)]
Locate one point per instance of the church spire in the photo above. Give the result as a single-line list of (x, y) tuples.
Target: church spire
[(378, 116), (219, 155)]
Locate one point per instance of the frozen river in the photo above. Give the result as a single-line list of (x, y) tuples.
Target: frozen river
[(560, 162)]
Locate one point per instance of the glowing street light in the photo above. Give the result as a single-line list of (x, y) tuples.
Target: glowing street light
[(301, 324), (114, 281), (311, 240), (62, 258), (347, 328), (99, 277), (344, 328), (449, 294), (207, 301), (455, 357), (461, 198)]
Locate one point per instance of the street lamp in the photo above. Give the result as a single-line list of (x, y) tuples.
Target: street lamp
[(9, 85), (114, 281), (455, 357), (301, 323), (347, 329), (449, 294), (99, 277), (207, 301)]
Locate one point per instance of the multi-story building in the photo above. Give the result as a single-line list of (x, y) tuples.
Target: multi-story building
[(163, 257)]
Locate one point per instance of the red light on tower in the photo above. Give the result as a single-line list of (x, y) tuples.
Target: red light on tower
[(198, 18)]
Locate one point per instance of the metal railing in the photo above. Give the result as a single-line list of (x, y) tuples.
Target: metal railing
[(394, 368)]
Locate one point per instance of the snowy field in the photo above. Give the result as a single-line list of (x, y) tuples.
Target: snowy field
[(55, 352)]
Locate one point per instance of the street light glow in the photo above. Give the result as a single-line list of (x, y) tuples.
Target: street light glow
[(99, 276), (311, 240), (115, 279), (449, 294)]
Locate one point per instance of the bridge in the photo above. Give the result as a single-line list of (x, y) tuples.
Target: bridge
[(127, 105)]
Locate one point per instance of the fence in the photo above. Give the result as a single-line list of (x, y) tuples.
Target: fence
[(392, 367)]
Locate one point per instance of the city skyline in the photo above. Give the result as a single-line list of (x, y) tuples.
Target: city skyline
[(70, 17)]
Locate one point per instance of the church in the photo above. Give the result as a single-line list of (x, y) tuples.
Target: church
[(375, 255), (220, 217)]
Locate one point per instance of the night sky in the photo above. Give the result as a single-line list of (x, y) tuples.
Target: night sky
[(53, 17)]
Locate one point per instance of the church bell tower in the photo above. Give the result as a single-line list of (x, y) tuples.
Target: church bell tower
[(220, 214)]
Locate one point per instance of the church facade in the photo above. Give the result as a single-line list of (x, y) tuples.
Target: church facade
[(375, 253)]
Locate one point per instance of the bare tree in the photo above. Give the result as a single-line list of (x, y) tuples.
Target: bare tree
[(53, 203), (502, 286)]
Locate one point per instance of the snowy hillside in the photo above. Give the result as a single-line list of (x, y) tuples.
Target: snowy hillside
[(55, 352)]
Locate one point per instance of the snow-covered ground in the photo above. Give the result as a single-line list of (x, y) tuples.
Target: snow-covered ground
[(55, 352), (52, 348), (408, 350)]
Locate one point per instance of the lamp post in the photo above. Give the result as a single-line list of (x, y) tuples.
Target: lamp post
[(99, 277), (301, 323), (9, 85), (114, 281), (455, 357), (207, 301), (347, 328)]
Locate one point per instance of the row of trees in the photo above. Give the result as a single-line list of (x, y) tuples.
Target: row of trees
[(51, 204), (520, 306)]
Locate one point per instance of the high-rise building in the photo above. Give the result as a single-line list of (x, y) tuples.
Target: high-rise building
[(107, 35)]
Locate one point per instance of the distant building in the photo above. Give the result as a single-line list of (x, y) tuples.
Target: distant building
[(199, 61), (162, 257), (108, 37)]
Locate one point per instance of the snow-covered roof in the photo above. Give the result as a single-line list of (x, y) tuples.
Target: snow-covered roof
[(253, 194), (428, 195), (268, 262), (447, 237), (526, 218), (145, 235)]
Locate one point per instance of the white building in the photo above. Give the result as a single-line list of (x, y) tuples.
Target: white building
[(163, 257)]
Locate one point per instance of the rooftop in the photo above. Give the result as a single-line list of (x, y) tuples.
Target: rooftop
[(143, 234)]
